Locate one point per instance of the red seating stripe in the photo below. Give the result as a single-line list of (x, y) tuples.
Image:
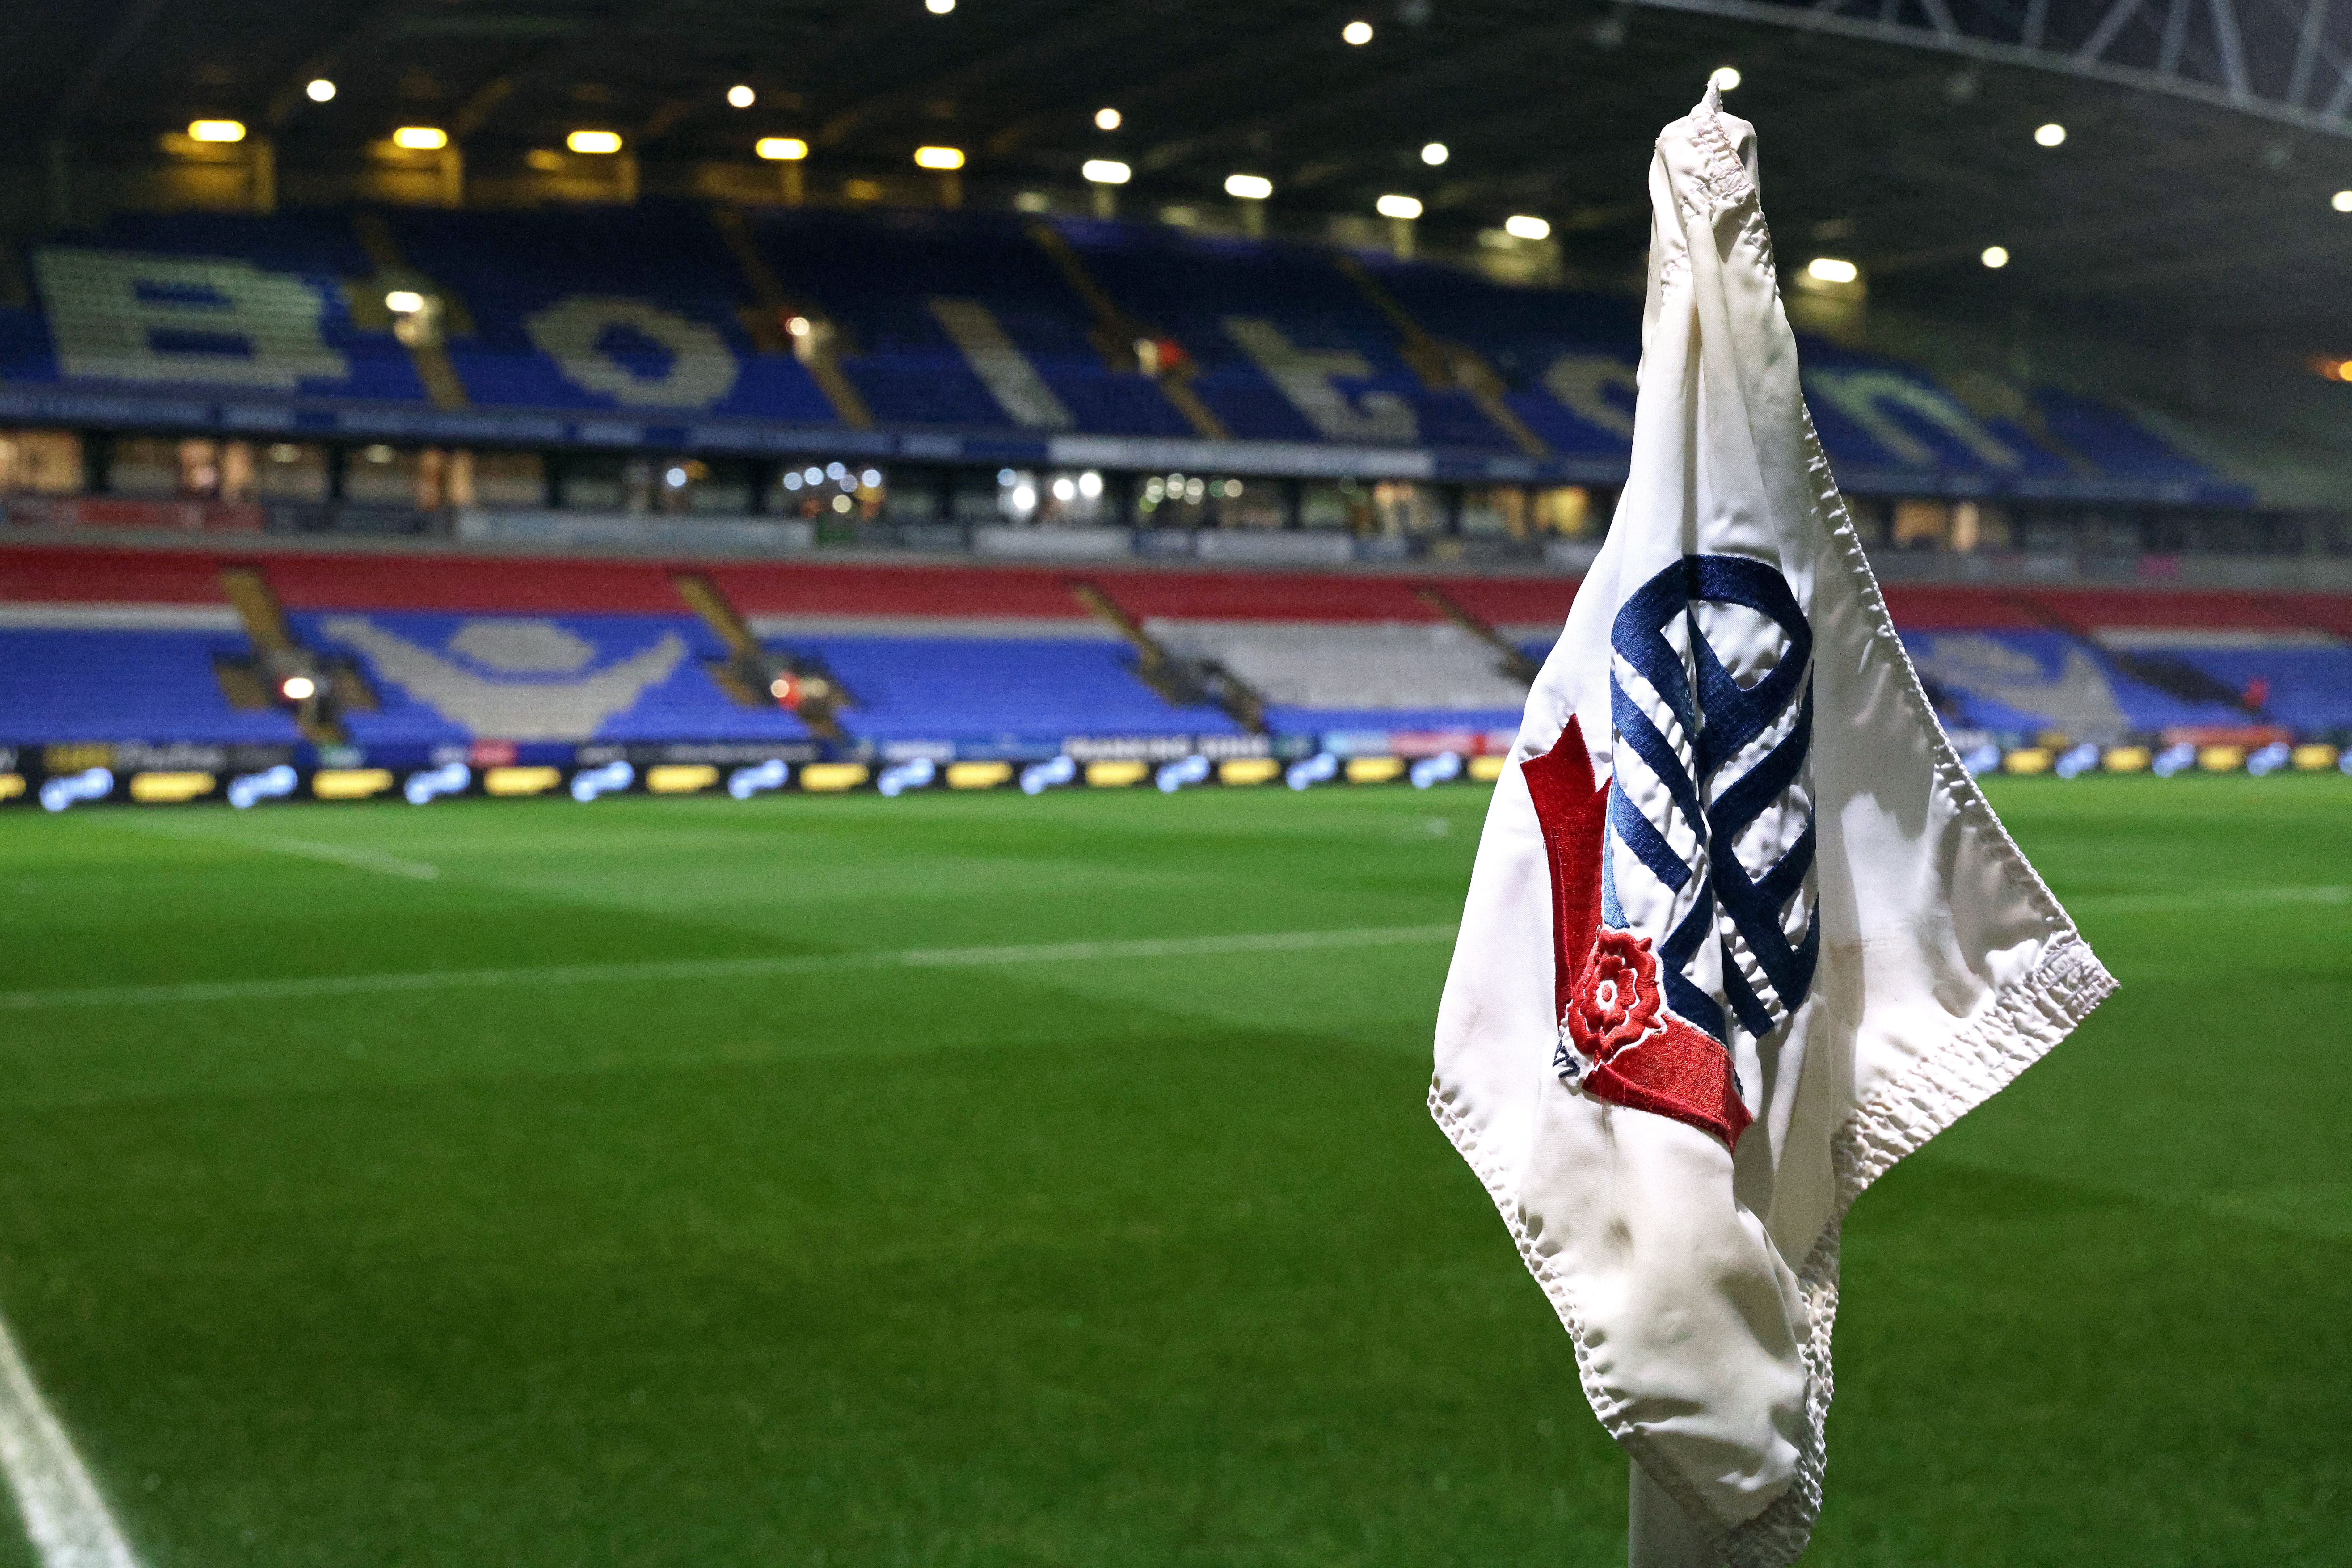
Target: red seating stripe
[(463, 582)]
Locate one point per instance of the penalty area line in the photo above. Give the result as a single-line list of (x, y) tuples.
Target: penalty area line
[(68, 1520), (723, 968)]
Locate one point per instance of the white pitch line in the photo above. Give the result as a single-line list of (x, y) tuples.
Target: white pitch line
[(721, 968), (341, 855), (68, 1520), (307, 848)]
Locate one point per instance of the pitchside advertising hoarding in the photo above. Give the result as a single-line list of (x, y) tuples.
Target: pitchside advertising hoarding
[(60, 775)]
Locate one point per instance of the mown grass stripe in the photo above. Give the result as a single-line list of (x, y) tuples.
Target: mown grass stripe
[(722, 968)]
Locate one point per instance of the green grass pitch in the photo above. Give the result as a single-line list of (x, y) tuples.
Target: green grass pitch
[(1144, 1257)]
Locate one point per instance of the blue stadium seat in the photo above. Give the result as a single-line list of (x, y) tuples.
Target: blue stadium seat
[(1193, 287), (913, 688), (529, 281), (877, 274), (155, 685), (447, 678)]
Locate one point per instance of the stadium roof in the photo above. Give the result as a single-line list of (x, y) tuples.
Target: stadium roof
[(2164, 207)]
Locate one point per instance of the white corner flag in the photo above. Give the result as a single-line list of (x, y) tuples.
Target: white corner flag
[(1742, 931)]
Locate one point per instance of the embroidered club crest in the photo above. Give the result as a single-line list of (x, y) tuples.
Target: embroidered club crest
[(1675, 886)]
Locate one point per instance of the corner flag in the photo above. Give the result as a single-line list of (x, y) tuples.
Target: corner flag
[(1742, 931)]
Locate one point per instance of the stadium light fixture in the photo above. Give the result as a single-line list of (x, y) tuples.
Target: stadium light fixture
[(1106, 171), (939, 8), (1434, 152), (421, 138), (1107, 119), (1249, 187), (1525, 225), (1724, 79), (404, 302), (1995, 256), (780, 149), (2341, 201), (321, 91), (216, 131), (298, 689), (938, 157), (2050, 136), (1357, 33), (798, 326), (1090, 484), (740, 96), (1831, 270), (597, 141), (1406, 208)]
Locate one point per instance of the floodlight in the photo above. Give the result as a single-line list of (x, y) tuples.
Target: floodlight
[(404, 302), (1434, 152), (421, 138), (1522, 225), (939, 8), (938, 157), (1831, 270), (1725, 78), (298, 689), (1995, 255), (780, 149), (1398, 207), (216, 131), (2050, 136), (1106, 171), (1090, 484), (1258, 187), (593, 141), (798, 326), (1106, 118), (321, 91), (740, 97), (1357, 33), (2341, 201)]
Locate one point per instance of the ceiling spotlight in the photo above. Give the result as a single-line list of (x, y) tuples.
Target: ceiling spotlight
[(740, 97), (1106, 171), (938, 157), (1831, 270), (1106, 118), (2050, 136), (1357, 33), (2341, 201), (321, 91), (1995, 256), (939, 8), (593, 141), (1521, 226), (1398, 207), (1433, 153), (1249, 187), (1725, 78), (780, 149), (421, 138), (216, 131), (404, 302)]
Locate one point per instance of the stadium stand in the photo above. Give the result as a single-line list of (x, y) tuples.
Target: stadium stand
[(982, 327), (114, 644)]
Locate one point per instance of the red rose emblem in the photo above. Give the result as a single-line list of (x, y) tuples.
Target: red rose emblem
[(1615, 1002)]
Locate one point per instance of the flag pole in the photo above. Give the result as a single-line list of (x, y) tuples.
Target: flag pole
[(1658, 1533)]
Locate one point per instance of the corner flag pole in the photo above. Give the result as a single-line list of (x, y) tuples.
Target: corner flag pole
[(1658, 1533)]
